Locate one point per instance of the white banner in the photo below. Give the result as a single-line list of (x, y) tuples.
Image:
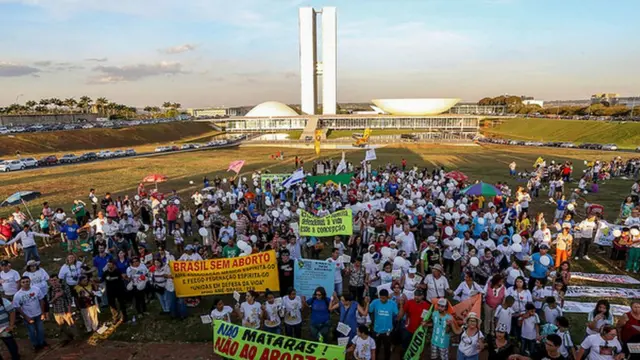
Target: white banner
[(584, 308), (369, 206), (606, 278), (601, 292)]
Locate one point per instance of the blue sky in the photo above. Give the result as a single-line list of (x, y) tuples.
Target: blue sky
[(222, 52)]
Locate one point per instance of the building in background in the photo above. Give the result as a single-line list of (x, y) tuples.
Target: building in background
[(533, 102), (311, 68), (475, 109), (213, 112)]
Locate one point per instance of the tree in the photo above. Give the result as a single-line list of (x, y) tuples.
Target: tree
[(85, 103), (101, 103), (70, 103)]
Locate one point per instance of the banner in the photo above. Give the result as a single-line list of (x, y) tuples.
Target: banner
[(330, 179), (606, 278), (238, 342), (257, 272), (370, 155), (338, 223), (310, 274), (601, 292), (584, 308), (273, 179), (416, 346), (370, 206)]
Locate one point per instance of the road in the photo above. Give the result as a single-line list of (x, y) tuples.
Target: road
[(140, 155)]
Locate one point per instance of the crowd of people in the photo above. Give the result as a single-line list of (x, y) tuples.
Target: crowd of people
[(418, 243)]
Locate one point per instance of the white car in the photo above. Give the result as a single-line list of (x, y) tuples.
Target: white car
[(611, 147), (69, 158), (11, 165), (162, 148), (119, 153), (30, 162), (105, 154)]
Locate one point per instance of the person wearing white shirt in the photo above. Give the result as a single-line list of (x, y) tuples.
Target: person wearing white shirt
[(27, 238), (98, 223), (221, 311), (110, 228), (467, 288), (542, 235), (334, 259), (29, 303), (190, 254), (633, 220), (71, 271), (38, 276), (585, 230), (226, 232), (197, 198), (602, 346), (9, 278), (407, 241), (437, 284)]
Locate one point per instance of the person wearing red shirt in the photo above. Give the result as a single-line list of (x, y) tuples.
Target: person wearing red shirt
[(5, 230), (414, 309), (172, 215)]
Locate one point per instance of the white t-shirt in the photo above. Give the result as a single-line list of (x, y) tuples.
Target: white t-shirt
[(9, 281), (29, 301), (251, 314), (39, 279), (567, 343), (503, 317), (436, 288), (71, 273), (224, 315), (521, 299), (529, 327), (550, 314), (363, 347), (596, 344), (469, 344), (339, 267), (98, 223), (273, 316), (292, 314), (599, 324)]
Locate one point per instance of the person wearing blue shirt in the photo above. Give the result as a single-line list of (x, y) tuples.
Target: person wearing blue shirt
[(540, 271), (70, 231), (393, 188), (320, 314), (384, 311), (100, 261), (561, 206), (479, 226)]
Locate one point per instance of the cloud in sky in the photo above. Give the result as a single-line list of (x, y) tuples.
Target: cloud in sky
[(116, 74), (104, 59), (15, 70), (178, 49)]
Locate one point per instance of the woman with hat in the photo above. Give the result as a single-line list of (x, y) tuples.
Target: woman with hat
[(500, 346), (39, 279), (436, 283), (471, 338)]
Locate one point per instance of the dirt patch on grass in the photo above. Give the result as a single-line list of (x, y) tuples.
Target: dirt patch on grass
[(90, 139)]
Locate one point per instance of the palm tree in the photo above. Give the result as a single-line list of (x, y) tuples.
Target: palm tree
[(176, 105), (70, 103), (30, 105), (101, 102), (85, 103)]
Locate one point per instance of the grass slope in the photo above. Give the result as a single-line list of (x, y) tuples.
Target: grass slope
[(89, 139), (625, 135)]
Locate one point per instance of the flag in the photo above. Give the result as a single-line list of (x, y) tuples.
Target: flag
[(235, 166), (342, 166), (416, 346), (460, 310), (539, 161), (370, 155), (317, 141), (295, 178), (344, 178)]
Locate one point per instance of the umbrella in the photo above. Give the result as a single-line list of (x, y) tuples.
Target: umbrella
[(154, 178), (20, 197), (457, 176), (481, 188), (249, 195)]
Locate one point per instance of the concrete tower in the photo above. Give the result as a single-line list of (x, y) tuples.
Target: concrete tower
[(311, 68)]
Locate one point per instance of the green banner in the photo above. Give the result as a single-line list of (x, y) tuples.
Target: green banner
[(324, 179), (416, 346), (237, 342), (338, 223), (277, 178)]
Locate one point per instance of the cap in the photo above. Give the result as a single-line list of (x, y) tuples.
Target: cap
[(442, 302), (432, 240), (4, 263), (393, 243), (438, 267), (189, 247), (544, 246), (412, 270)]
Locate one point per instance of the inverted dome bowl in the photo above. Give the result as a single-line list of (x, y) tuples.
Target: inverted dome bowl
[(415, 106)]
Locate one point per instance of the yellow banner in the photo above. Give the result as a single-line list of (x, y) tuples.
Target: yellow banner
[(318, 137), (256, 272)]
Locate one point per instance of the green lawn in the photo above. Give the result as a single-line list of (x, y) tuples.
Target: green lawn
[(625, 135), (60, 185)]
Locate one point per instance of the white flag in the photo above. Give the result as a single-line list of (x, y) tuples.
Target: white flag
[(295, 178), (342, 166), (370, 155)]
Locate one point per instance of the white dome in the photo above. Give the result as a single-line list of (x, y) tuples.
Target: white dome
[(271, 109), (415, 106)]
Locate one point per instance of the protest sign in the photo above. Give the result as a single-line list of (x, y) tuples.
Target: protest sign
[(606, 278), (237, 342), (416, 346), (256, 272), (601, 292), (584, 308), (272, 179), (310, 274), (338, 223)]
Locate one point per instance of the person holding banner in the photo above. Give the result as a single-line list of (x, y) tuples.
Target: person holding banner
[(413, 312), (320, 314), (335, 259), (349, 311), (362, 345), (271, 313), (443, 324), (292, 304), (250, 311)]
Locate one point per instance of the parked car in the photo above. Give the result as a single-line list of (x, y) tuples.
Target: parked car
[(119, 153), (48, 160), (638, 149), (88, 156), (11, 165), (105, 154), (162, 149), (68, 159), (130, 152), (610, 147), (30, 162)]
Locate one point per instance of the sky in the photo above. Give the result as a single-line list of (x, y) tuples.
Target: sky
[(242, 52)]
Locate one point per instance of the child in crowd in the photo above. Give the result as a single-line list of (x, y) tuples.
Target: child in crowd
[(551, 310), (504, 314), (567, 344), (530, 323)]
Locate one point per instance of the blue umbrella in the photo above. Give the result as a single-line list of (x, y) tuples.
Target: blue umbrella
[(481, 188), (20, 197)]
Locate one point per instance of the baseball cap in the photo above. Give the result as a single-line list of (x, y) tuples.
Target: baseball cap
[(442, 302)]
